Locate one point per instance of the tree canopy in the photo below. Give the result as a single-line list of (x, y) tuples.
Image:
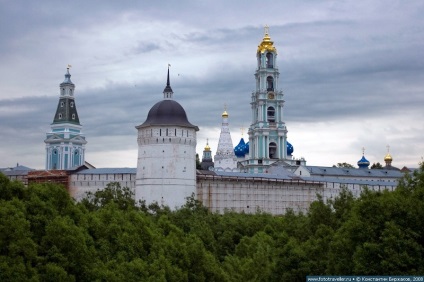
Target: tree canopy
[(345, 165), (46, 236)]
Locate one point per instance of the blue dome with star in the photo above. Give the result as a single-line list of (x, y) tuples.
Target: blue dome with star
[(246, 148), (290, 149), (240, 149)]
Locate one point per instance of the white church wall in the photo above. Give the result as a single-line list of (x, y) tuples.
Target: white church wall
[(81, 184)]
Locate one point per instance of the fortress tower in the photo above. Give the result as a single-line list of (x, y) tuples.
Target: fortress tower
[(166, 166)]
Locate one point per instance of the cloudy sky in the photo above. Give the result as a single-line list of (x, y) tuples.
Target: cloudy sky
[(352, 73)]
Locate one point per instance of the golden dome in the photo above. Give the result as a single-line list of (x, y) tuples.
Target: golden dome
[(267, 44), (388, 158), (225, 114), (207, 148)]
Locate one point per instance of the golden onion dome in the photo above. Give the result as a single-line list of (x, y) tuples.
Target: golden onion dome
[(207, 148), (225, 114), (388, 158), (267, 44)]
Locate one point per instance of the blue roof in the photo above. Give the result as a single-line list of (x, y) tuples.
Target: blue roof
[(240, 149), (363, 162), (290, 149)]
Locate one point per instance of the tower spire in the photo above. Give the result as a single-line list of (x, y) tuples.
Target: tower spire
[(167, 92)]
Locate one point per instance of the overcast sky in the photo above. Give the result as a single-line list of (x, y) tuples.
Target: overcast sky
[(352, 73)]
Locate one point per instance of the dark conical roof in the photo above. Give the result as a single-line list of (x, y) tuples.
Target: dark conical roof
[(168, 84), (66, 111)]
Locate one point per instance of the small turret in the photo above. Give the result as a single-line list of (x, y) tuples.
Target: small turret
[(207, 162)]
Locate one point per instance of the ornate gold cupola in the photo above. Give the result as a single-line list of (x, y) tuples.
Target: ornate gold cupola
[(267, 44)]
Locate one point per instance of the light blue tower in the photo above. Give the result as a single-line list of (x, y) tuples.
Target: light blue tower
[(65, 143), (268, 132)]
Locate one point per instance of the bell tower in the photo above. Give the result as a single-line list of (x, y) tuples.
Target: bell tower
[(65, 143), (268, 132)]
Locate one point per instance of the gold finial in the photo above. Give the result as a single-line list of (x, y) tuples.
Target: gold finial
[(266, 44), (225, 114), (363, 151), (207, 148), (388, 157), (242, 130)]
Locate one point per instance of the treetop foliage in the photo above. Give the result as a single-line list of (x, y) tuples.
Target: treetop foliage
[(46, 236)]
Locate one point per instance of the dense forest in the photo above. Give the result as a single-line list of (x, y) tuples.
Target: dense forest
[(47, 236)]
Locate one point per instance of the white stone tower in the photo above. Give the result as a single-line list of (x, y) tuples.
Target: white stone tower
[(65, 143), (166, 166), (268, 132), (225, 159)]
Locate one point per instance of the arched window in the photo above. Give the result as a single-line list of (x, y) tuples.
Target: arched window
[(272, 150), (269, 60), (271, 114), (270, 83), (73, 116)]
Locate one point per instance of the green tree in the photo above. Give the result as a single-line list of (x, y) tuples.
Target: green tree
[(123, 197), (376, 166), (344, 165), (198, 166)]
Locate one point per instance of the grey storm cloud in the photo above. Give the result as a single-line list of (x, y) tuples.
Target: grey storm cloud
[(339, 62)]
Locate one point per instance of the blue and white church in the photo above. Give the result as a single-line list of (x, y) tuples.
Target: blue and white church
[(65, 142)]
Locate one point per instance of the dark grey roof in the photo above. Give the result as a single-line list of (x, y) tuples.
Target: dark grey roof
[(15, 172), (254, 175), (341, 171), (109, 170), (17, 168), (167, 112)]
